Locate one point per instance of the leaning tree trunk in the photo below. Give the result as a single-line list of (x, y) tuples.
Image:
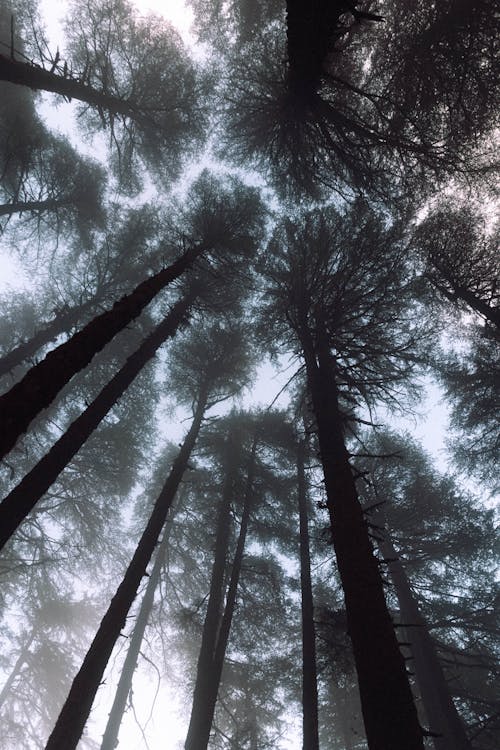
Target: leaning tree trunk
[(448, 732), (457, 291), (388, 708), (75, 712), (110, 736), (40, 385), (310, 739), (62, 323), (39, 79), (22, 499)]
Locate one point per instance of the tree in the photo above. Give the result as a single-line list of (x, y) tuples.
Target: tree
[(337, 301), (329, 101), (22, 499), (124, 686), (134, 78), (241, 651), (471, 383), (222, 358), (44, 656), (90, 277), (219, 614), (309, 670), (76, 709), (424, 522), (461, 260), (40, 385)]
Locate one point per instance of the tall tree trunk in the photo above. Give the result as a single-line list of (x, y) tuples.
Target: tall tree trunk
[(110, 736), (38, 79), (310, 739), (63, 322), (388, 708), (75, 712), (201, 717), (227, 618), (439, 707), (40, 385), (492, 314), (22, 499), (19, 207)]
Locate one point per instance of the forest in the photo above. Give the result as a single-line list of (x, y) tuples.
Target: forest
[(248, 275)]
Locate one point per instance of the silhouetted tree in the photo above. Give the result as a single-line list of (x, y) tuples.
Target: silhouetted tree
[(135, 78), (337, 300), (329, 99)]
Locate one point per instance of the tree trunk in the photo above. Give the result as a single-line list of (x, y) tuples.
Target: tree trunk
[(61, 323), (227, 618), (25, 400), (388, 708), (19, 207), (39, 79), (440, 710), (309, 674), (22, 499), (458, 291), (110, 736), (201, 714), (75, 712)]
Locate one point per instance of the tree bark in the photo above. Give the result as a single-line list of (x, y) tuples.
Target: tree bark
[(75, 712), (310, 739), (110, 736), (61, 323), (40, 385), (22, 499), (440, 710), (39, 79), (388, 708), (201, 715)]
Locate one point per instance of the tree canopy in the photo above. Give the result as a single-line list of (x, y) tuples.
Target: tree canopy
[(245, 254)]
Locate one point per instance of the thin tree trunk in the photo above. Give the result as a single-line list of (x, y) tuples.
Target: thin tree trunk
[(310, 739), (40, 385), (201, 721), (63, 322), (39, 79), (227, 618), (19, 207), (439, 707), (75, 712), (22, 499), (110, 736), (388, 708), (21, 659)]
